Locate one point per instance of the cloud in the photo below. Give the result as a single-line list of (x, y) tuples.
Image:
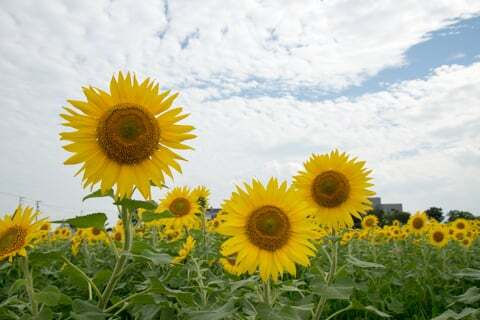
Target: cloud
[(420, 133)]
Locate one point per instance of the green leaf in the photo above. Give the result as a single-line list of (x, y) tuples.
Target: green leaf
[(450, 314), (149, 216), (16, 286), (468, 273), (101, 277), (157, 258), (45, 314), (377, 312), (99, 194), (363, 264), (83, 310), (471, 296), (335, 291), (93, 220), (216, 314), (158, 287), (45, 258), (51, 296), (137, 204)]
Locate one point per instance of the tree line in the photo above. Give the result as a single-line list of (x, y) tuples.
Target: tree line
[(387, 218)]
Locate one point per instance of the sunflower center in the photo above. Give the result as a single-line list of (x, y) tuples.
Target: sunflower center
[(96, 231), (11, 240), (330, 189), (44, 227), (369, 222), (128, 134), (268, 228), (438, 236), (180, 207), (460, 225), (417, 223), (118, 236)]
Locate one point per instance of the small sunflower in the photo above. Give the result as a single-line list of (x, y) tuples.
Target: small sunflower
[(438, 236), (96, 234), (185, 250), (336, 187), (181, 202), (418, 222), (369, 221), (18, 232), (268, 229), (201, 193), (461, 224), (125, 137)]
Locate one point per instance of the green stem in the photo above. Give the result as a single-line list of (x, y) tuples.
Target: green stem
[(329, 279), (84, 275), (204, 233), (27, 274), (267, 292), (201, 285), (121, 262), (119, 303), (336, 313)]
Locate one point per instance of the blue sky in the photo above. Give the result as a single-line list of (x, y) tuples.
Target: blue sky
[(267, 83)]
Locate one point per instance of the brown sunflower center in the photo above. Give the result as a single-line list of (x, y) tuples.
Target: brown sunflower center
[(180, 207), (45, 227), (96, 231), (460, 225), (128, 134), (268, 228), (118, 236), (369, 222), (330, 189), (417, 223), (438, 236), (11, 240)]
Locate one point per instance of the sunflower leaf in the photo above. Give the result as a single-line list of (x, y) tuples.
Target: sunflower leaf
[(93, 220), (149, 216), (136, 204), (363, 264), (99, 194)]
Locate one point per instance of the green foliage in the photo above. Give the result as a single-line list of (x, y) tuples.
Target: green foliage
[(93, 220), (435, 213), (456, 214), (400, 280)]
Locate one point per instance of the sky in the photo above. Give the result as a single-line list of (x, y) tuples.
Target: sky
[(266, 83)]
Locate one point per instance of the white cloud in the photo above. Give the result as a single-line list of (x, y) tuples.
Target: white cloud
[(420, 132)]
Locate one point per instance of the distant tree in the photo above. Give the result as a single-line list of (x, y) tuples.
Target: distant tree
[(393, 215), (435, 213), (455, 214), (357, 223)]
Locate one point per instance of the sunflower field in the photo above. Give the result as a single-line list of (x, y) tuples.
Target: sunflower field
[(273, 251)]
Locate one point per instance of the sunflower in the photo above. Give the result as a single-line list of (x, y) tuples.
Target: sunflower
[(125, 137), (461, 224), (268, 229), (418, 222), (201, 193), (182, 204), (438, 236), (185, 250), (336, 187), (369, 221), (96, 234), (18, 232), (229, 264), (45, 227)]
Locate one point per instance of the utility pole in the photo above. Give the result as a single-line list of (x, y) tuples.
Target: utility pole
[(37, 208)]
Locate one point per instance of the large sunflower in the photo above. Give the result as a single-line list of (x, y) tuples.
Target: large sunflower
[(18, 232), (269, 229), (336, 187), (125, 137), (182, 203)]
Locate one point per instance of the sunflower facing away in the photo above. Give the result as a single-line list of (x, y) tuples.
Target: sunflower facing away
[(336, 187), (18, 232), (268, 229), (182, 203), (125, 137), (187, 247)]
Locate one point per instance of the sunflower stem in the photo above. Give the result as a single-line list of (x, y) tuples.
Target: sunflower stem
[(121, 262), (201, 285), (329, 279), (27, 274)]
